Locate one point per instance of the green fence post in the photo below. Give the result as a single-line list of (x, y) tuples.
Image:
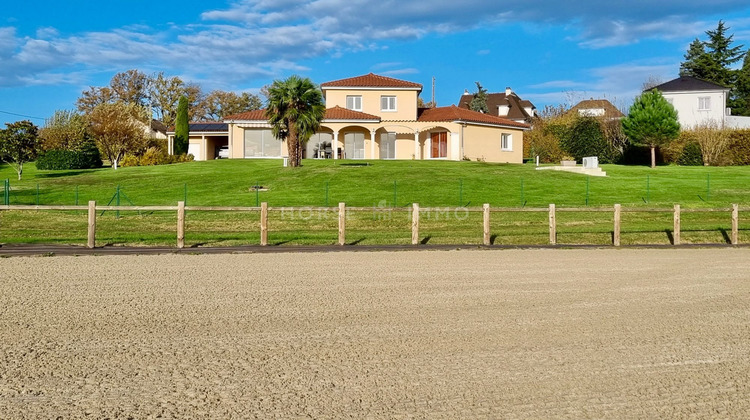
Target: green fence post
[(588, 178), (460, 192), (648, 188), (6, 194), (708, 186), (117, 202), (395, 195), (257, 194), (326, 193), (184, 199), (37, 194), (76, 195), (522, 198)]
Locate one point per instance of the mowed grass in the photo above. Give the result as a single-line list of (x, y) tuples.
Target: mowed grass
[(387, 189)]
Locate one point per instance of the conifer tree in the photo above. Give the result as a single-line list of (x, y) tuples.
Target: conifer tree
[(182, 128), (651, 121)]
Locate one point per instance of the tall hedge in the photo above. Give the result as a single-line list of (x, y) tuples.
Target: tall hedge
[(86, 157)]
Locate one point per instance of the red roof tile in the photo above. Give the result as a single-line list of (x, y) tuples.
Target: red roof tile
[(454, 113), (257, 115), (339, 113), (371, 80)]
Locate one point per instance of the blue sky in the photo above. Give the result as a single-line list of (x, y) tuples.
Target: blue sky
[(549, 52)]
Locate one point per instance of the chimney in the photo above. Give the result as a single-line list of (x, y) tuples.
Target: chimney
[(508, 91), (466, 92)]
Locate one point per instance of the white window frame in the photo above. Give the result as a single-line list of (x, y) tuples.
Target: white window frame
[(390, 103), (356, 100), (704, 103), (506, 142)]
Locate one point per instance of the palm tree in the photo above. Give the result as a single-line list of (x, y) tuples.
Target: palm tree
[(295, 110)]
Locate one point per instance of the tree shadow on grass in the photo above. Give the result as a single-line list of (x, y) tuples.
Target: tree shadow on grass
[(58, 174)]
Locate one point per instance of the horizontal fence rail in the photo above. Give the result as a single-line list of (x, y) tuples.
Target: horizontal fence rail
[(414, 213)]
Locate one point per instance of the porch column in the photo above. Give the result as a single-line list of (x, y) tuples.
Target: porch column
[(416, 145), (170, 145), (372, 144), (204, 145), (229, 141), (335, 144)]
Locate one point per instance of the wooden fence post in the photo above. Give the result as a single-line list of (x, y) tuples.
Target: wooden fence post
[(735, 224), (552, 225), (676, 231), (616, 233), (264, 223), (415, 224), (91, 242), (342, 223), (486, 224), (180, 224)]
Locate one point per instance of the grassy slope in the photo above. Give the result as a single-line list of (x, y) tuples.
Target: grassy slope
[(430, 183)]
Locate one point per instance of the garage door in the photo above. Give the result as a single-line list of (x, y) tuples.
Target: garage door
[(195, 150)]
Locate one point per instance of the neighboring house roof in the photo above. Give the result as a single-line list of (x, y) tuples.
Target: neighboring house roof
[(158, 126), (339, 113), (456, 114), (371, 80), (596, 108), (688, 83), (205, 127), (516, 106)]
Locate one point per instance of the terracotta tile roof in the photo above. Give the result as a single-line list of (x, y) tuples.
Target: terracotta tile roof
[(372, 80), (688, 83), (516, 105), (339, 113), (454, 113), (610, 111), (256, 115)]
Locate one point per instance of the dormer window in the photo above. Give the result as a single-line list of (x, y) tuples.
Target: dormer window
[(388, 103), (354, 102)]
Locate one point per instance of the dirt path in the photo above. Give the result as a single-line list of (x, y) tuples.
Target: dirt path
[(444, 334)]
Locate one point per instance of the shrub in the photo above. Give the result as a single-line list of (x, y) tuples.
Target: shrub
[(87, 157), (691, 155), (586, 138), (129, 160), (738, 149)]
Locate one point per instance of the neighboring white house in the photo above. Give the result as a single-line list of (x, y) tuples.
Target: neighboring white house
[(699, 102)]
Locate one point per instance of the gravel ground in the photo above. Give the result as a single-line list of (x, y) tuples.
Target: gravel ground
[(414, 334)]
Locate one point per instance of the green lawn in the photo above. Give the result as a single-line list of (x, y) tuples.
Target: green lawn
[(374, 184)]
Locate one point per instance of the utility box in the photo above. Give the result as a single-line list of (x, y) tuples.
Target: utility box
[(591, 162)]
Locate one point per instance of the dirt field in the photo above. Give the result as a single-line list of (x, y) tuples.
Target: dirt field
[(412, 334)]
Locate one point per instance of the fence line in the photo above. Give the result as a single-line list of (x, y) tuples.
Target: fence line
[(415, 210)]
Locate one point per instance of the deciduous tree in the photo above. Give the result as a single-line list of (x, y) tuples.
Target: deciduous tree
[(219, 104), (18, 144), (651, 121), (118, 128), (65, 130)]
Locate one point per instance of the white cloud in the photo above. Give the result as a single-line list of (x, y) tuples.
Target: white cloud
[(255, 37)]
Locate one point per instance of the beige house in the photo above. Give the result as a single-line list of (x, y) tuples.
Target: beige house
[(376, 117)]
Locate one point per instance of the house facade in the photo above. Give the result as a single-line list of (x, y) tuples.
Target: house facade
[(696, 101), (376, 117)]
